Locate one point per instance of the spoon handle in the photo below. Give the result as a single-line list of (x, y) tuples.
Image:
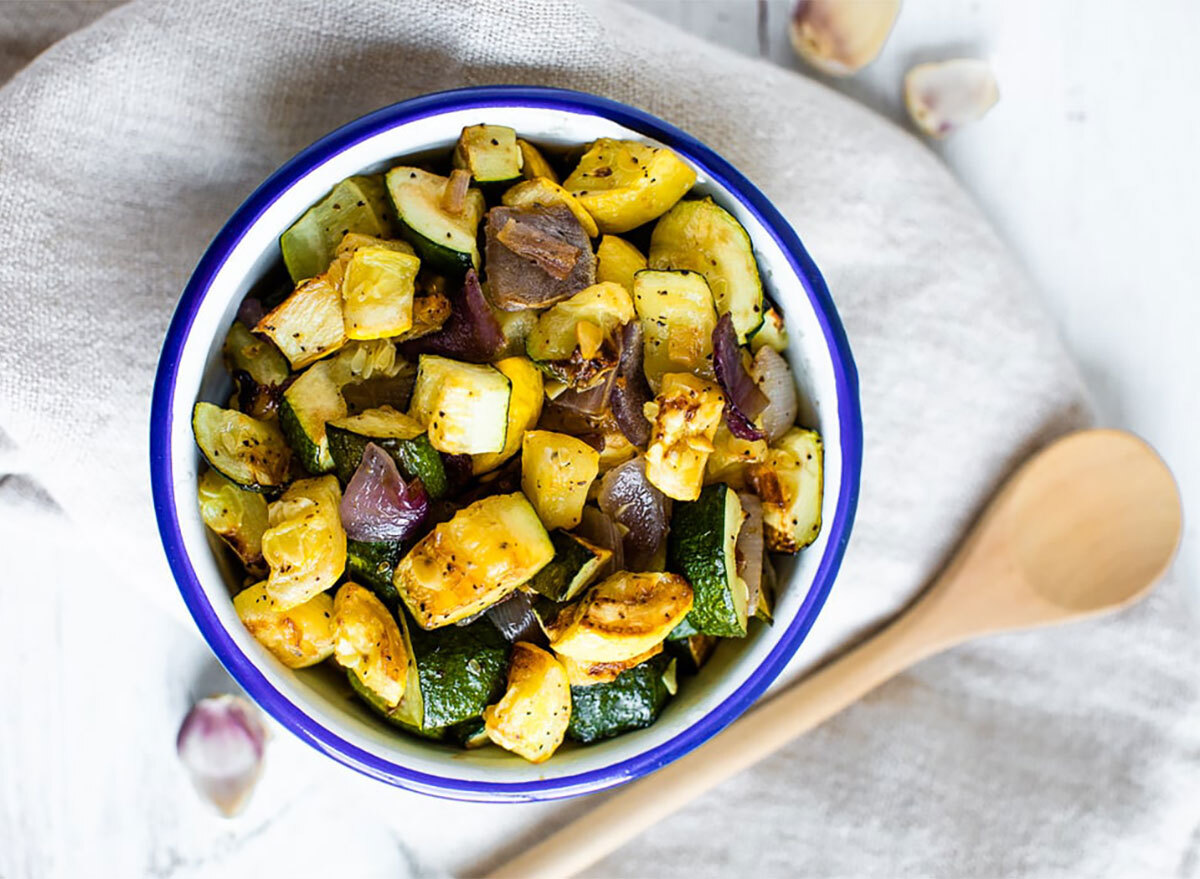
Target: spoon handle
[(639, 805)]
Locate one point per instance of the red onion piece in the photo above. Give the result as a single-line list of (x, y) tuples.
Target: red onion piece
[(221, 742), (628, 497), (774, 378), (743, 400), (471, 332), (251, 311), (750, 546), (630, 392), (515, 619), (599, 529), (592, 401), (377, 505)]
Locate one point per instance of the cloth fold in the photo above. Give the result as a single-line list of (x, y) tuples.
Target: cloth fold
[(127, 145)]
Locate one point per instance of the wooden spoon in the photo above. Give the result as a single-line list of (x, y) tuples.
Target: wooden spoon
[(1084, 527)]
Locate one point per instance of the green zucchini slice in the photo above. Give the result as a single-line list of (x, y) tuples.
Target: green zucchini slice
[(372, 563), (575, 565), (678, 318), (445, 242), (701, 547), (250, 452), (391, 715), (261, 360), (701, 236), (398, 435), (490, 153), (311, 400), (354, 205), (632, 701), (463, 405)]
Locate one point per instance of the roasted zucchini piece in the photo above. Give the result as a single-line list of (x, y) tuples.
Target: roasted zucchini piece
[(453, 674), (258, 358), (369, 643), (445, 241), (299, 637), (308, 324), (632, 701), (372, 563), (377, 293), (771, 334), (624, 184), (531, 720), (489, 152), (400, 435), (304, 544), (575, 341), (524, 408), (731, 457), (472, 561), (469, 734), (311, 401), (556, 472), (463, 405), (790, 483), (237, 515), (678, 317), (575, 565), (684, 416), (354, 205), (585, 672), (534, 164), (250, 452), (515, 326), (701, 546), (622, 616), (543, 191), (704, 237), (618, 261)]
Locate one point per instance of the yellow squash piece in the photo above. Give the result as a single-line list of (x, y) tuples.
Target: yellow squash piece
[(622, 617), (678, 318), (584, 673), (369, 643), (472, 561), (532, 717), (790, 482), (237, 515), (535, 164), (351, 242), (556, 472), (377, 293), (685, 416), (623, 183), (618, 261), (489, 152), (308, 324), (304, 544), (731, 458), (524, 408), (299, 637), (543, 191)]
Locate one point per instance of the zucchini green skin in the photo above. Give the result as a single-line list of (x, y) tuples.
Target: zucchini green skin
[(372, 564), (684, 630), (460, 670), (632, 701), (469, 733), (573, 567), (356, 204), (260, 445), (443, 260), (387, 714), (311, 455), (416, 458), (700, 547)]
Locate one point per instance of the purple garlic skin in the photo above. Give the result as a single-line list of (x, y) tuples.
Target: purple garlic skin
[(943, 96), (221, 743), (841, 37)]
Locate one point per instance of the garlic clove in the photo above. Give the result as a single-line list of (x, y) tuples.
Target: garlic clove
[(943, 96), (221, 742), (841, 37)]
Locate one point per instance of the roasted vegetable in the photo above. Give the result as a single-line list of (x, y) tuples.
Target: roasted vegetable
[(678, 318), (632, 701), (543, 191), (377, 293), (534, 164), (373, 563), (463, 405), (298, 637), (354, 205), (400, 435), (378, 505), (237, 515), (258, 358), (584, 673), (472, 561), (524, 410), (308, 404), (489, 152), (705, 238), (556, 472), (445, 241), (692, 652), (731, 458), (304, 544), (369, 643), (575, 565), (536, 255), (772, 333), (790, 483), (578, 341), (250, 452), (622, 616), (470, 333), (685, 416), (701, 546), (618, 261), (532, 718), (308, 324), (623, 183)]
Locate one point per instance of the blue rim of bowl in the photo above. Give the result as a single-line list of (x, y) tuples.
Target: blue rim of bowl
[(243, 669)]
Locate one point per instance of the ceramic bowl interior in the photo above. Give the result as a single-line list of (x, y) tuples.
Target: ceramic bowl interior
[(316, 704)]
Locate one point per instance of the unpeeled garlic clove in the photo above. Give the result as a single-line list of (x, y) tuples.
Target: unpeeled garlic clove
[(221, 742), (841, 37), (943, 96)]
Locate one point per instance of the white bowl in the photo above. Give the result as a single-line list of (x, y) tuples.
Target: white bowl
[(315, 704)]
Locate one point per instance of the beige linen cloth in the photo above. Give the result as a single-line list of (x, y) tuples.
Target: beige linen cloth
[(123, 149)]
